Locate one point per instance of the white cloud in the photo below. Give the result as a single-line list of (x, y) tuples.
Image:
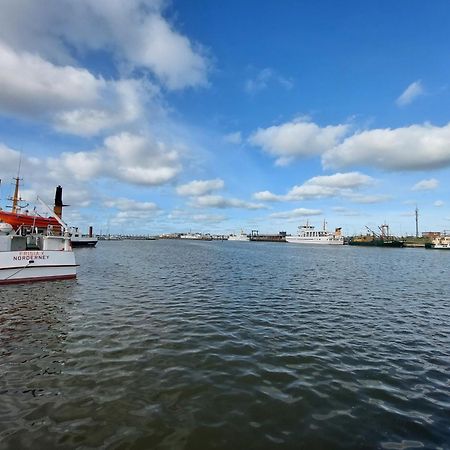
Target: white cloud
[(135, 159), (264, 78), (438, 203), (417, 147), (200, 187), (338, 184), (71, 98), (134, 31), (233, 138), (426, 185), (413, 91), (126, 204), (208, 218), (299, 212), (218, 201), (297, 139), (267, 196)]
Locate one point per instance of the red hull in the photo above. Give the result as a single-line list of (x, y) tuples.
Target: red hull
[(16, 220), (33, 279)]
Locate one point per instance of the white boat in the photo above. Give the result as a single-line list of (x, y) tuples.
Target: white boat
[(239, 237), (307, 234), (82, 240), (196, 236), (440, 243), (34, 257)]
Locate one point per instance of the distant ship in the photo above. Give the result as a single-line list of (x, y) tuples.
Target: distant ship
[(196, 236), (82, 240), (307, 234), (239, 237), (439, 243), (373, 239)]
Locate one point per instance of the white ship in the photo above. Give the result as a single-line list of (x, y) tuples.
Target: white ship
[(239, 237), (34, 257), (196, 236), (440, 243), (307, 234), (82, 240)]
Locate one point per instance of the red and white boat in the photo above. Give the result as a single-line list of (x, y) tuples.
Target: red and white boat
[(34, 257), (16, 218), (26, 220)]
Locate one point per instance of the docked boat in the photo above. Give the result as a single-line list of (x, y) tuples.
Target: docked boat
[(34, 256), (239, 237), (19, 216), (196, 236), (373, 239), (439, 243), (307, 234), (82, 240)]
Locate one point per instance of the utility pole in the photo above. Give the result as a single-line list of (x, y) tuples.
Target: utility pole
[(417, 222)]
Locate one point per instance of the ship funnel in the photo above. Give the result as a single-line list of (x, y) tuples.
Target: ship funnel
[(57, 209)]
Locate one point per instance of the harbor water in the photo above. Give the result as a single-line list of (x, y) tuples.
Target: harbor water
[(176, 344)]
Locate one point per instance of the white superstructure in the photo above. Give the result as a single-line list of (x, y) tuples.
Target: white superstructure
[(307, 234), (34, 257), (196, 236), (239, 237), (441, 243)]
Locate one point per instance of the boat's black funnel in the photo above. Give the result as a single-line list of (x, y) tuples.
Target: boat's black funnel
[(58, 202)]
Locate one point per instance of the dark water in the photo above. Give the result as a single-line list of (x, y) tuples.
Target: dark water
[(230, 345)]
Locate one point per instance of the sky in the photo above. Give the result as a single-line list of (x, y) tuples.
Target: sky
[(169, 116)]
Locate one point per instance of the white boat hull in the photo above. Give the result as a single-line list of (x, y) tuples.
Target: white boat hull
[(314, 240), (36, 265)]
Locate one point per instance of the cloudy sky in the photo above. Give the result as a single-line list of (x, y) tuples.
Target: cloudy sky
[(159, 116)]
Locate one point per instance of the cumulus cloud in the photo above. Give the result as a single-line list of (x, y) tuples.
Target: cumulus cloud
[(338, 184), (127, 204), (413, 91), (218, 201), (298, 212), (297, 139), (264, 78), (426, 185), (71, 98), (134, 31), (438, 203), (200, 187), (132, 158), (417, 147)]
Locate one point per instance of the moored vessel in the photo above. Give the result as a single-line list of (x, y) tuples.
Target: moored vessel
[(239, 237), (307, 234), (196, 236), (440, 243), (373, 239), (35, 256), (82, 240)]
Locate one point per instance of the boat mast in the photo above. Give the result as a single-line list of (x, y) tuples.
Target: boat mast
[(16, 199)]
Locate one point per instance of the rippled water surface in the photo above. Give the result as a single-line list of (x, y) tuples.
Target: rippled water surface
[(230, 345)]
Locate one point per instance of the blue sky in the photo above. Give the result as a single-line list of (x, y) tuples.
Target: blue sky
[(160, 116)]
